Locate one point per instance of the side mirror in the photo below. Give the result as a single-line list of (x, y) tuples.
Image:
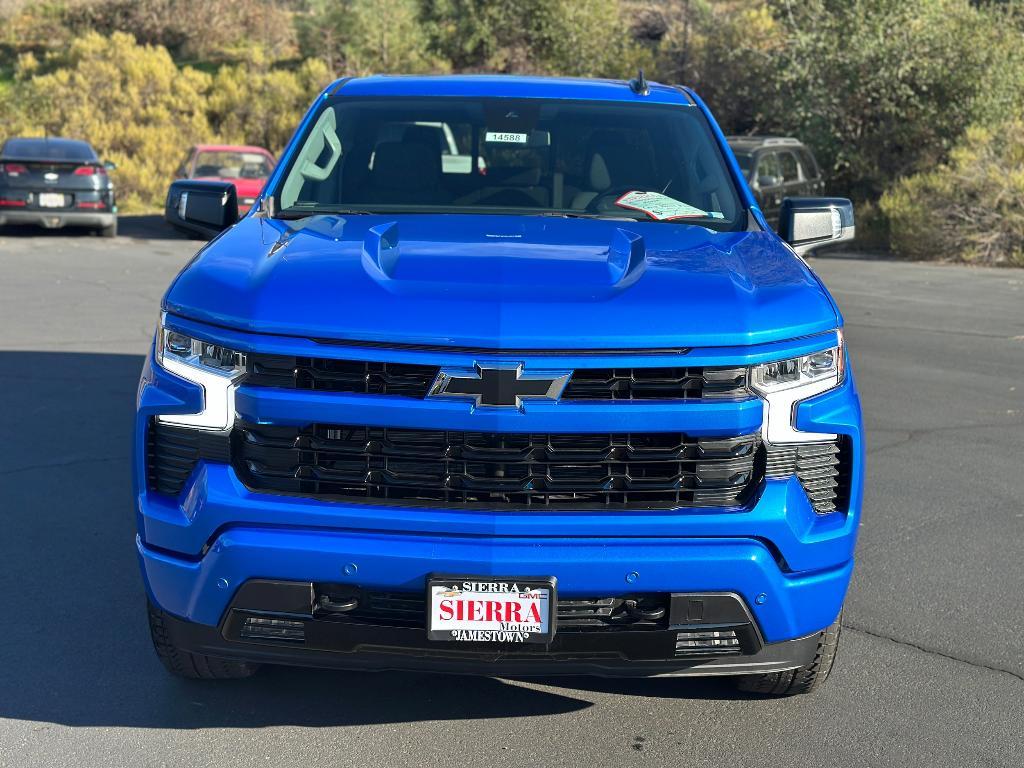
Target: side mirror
[(204, 208), (767, 181), (109, 165), (807, 223)]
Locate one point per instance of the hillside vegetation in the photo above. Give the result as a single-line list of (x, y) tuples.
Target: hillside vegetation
[(912, 106)]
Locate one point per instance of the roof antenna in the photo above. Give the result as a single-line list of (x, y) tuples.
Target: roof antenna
[(639, 84)]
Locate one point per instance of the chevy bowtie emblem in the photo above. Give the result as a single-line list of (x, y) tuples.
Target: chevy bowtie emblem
[(498, 385)]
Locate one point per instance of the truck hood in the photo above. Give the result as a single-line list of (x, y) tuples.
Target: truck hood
[(502, 282)]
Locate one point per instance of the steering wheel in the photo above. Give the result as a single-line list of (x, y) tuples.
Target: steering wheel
[(599, 203)]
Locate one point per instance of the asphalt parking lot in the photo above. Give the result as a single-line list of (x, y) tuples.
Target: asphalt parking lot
[(930, 673)]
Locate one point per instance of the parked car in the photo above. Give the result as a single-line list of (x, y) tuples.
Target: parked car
[(53, 183), (247, 168), (776, 168), (582, 413)]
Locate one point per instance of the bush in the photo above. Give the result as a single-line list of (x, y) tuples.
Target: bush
[(130, 102), (970, 209), (254, 103)]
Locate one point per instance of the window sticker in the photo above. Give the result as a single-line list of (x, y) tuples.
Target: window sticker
[(662, 207), (503, 137)]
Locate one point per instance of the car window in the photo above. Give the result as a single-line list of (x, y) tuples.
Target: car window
[(449, 154), (49, 149), (788, 167), (807, 164), (745, 162), (231, 165), (768, 172)]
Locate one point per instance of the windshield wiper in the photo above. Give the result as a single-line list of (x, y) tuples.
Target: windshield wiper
[(574, 215), (301, 214)]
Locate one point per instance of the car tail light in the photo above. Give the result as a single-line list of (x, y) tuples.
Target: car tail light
[(12, 169), (91, 204), (8, 203), (91, 170)]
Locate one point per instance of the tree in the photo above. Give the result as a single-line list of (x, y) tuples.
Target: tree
[(360, 37), (564, 37)]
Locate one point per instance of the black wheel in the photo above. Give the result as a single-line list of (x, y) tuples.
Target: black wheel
[(108, 231), (802, 679), (195, 666)]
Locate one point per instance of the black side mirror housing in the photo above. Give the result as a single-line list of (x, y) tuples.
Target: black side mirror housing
[(203, 208), (807, 223)]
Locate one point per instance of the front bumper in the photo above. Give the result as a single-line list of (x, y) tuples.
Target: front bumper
[(788, 565), (57, 219), (680, 648)]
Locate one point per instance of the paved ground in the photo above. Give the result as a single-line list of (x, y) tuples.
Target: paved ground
[(932, 666)]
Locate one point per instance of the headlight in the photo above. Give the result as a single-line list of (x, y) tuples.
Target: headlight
[(784, 383), (196, 353), (213, 367), (826, 365)]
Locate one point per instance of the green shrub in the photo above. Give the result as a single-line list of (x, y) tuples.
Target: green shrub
[(970, 209), (255, 103), (130, 102)]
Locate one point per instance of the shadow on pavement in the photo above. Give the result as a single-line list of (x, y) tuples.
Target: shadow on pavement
[(137, 227), (75, 648), (148, 228)]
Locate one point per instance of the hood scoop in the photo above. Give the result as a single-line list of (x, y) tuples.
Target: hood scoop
[(380, 251), (627, 258)]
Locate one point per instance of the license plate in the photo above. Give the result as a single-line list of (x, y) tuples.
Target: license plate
[(484, 609), (51, 200)]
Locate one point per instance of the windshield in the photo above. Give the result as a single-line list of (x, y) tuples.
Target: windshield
[(536, 156), (49, 149), (232, 165)]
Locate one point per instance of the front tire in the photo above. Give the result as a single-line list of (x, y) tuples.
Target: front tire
[(195, 666), (803, 679)]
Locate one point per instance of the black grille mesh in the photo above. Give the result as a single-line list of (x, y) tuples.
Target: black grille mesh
[(328, 375), (656, 384), (661, 470)]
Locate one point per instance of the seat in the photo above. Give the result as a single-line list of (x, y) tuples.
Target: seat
[(612, 166), (406, 173)]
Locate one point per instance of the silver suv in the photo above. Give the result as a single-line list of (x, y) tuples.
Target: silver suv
[(777, 168)]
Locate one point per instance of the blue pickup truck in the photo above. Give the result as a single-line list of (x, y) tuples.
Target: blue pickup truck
[(505, 376)]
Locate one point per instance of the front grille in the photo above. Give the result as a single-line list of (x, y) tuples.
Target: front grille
[(591, 614), (657, 470), (822, 468), (409, 380), (656, 384), (173, 452), (328, 375)]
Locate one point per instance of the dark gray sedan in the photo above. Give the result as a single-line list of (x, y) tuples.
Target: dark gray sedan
[(55, 183)]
